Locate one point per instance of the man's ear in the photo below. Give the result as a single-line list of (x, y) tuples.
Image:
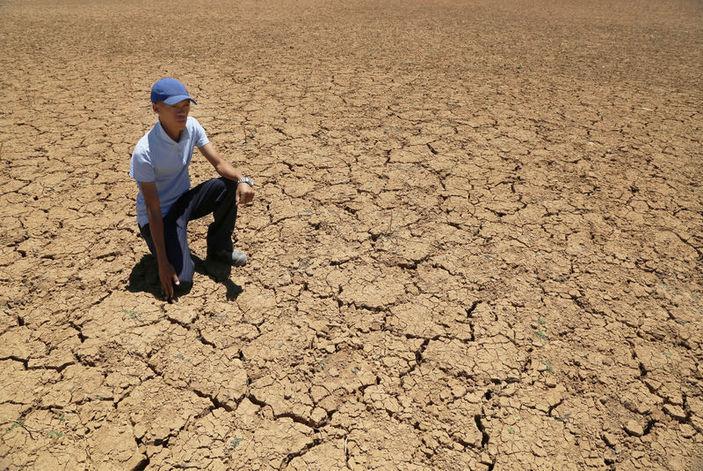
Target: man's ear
[(153, 107)]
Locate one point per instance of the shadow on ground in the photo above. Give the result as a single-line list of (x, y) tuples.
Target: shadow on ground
[(144, 277)]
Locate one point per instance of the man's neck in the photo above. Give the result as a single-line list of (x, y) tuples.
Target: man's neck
[(175, 135)]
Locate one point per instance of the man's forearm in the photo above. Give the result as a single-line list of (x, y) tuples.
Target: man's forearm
[(156, 226), (226, 170)]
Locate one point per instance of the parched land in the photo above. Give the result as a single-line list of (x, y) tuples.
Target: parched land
[(477, 241)]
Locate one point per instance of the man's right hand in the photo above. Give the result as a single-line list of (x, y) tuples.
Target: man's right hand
[(168, 278), (167, 275)]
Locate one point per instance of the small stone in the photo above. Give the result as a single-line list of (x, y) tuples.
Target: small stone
[(537, 450), (641, 407), (181, 316), (139, 430), (485, 458), (675, 411), (687, 431), (318, 415), (550, 381), (554, 397), (674, 397), (317, 393), (609, 439), (458, 391), (634, 428), (391, 405), (609, 456)]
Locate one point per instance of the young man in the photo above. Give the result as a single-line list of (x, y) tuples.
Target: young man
[(166, 203)]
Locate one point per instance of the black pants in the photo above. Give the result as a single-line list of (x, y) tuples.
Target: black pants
[(216, 196)]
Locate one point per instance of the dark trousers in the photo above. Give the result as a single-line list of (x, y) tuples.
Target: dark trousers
[(216, 196)]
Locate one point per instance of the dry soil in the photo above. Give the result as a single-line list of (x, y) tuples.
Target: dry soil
[(476, 243)]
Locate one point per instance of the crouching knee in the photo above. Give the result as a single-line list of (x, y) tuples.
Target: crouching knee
[(229, 185)]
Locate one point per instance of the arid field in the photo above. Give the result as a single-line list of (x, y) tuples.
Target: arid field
[(476, 243)]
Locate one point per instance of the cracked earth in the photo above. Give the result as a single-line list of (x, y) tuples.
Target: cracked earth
[(476, 244)]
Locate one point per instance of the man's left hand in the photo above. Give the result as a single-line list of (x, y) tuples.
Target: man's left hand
[(245, 193)]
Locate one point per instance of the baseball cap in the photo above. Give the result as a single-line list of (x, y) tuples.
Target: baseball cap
[(170, 91)]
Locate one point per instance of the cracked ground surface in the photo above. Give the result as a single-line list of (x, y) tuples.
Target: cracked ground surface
[(476, 243)]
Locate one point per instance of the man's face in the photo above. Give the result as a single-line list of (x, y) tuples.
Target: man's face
[(174, 117)]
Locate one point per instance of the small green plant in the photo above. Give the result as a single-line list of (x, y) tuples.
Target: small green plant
[(19, 423), (540, 330), (131, 314), (234, 443), (54, 434), (15, 424)]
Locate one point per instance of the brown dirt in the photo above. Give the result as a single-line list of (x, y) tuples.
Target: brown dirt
[(477, 243)]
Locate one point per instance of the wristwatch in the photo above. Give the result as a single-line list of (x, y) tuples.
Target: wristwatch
[(248, 180)]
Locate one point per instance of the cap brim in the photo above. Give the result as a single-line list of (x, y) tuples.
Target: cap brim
[(177, 99)]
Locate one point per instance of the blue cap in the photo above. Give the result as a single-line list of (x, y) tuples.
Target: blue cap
[(170, 91)]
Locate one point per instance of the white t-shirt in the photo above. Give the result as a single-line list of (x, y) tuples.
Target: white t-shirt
[(158, 158)]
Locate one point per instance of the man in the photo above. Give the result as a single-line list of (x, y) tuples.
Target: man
[(166, 203)]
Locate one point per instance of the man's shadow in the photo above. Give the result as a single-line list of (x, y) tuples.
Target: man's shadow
[(145, 277)]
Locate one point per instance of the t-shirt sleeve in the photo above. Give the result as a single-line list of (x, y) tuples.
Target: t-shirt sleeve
[(140, 168), (200, 134)]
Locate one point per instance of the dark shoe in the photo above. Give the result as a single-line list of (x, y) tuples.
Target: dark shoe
[(236, 258)]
